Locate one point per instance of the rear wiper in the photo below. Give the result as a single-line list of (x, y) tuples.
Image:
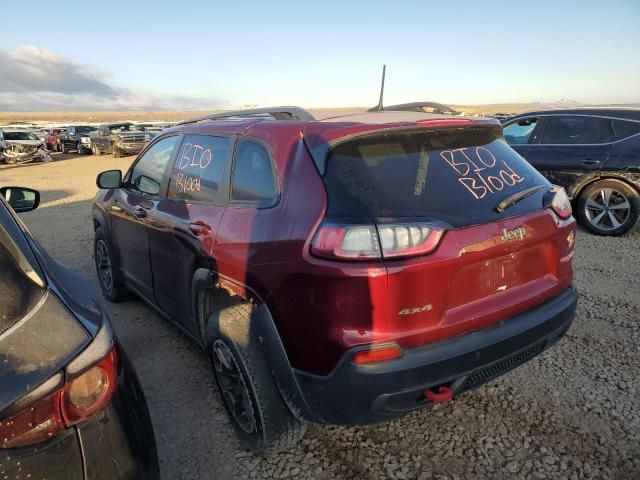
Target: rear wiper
[(516, 197)]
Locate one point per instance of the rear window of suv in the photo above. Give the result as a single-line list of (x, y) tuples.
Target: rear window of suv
[(456, 176)]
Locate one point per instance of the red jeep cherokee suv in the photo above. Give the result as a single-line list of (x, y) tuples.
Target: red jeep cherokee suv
[(340, 271)]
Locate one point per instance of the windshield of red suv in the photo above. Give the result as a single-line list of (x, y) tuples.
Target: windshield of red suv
[(456, 176)]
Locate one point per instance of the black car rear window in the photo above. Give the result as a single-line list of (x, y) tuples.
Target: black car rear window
[(456, 176), (624, 129), (18, 293)]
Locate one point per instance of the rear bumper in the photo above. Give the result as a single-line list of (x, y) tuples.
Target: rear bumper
[(363, 394)]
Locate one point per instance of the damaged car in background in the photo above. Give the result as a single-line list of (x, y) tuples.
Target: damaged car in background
[(21, 145), (118, 139)]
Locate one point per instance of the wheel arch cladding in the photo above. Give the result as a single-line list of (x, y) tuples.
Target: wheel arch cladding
[(264, 328)]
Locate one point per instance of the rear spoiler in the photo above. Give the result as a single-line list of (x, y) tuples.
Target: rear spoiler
[(320, 140), (417, 107)]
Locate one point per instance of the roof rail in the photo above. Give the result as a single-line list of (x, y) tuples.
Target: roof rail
[(279, 113), (417, 107)]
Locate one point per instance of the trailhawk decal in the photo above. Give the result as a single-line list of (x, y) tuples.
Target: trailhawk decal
[(479, 170)]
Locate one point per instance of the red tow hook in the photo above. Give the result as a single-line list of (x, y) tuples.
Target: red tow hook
[(439, 394)]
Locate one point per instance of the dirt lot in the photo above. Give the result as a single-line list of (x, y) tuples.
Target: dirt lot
[(573, 412)]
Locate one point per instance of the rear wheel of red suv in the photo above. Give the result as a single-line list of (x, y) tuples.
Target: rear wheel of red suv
[(250, 394)]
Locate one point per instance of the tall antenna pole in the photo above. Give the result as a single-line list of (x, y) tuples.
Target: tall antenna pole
[(380, 107)]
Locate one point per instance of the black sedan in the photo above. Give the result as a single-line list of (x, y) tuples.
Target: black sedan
[(71, 406), (594, 153)]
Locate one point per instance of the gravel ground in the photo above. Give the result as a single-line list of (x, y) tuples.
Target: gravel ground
[(573, 412)]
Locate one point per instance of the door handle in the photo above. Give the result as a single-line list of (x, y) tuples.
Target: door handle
[(200, 228), (140, 213), (115, 206)]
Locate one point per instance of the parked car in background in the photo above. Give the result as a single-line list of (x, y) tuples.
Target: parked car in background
[(594, 153), (53, 139), (22, 145), (76, 137), (150, 130), (118, 139), (71, 406), (41, 134), (345, 271)]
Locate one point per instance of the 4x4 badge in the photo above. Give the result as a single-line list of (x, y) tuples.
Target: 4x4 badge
[(409, 311), (516, 233)]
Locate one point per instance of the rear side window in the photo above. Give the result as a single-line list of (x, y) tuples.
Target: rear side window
[(253, 176), (147, 173), (576, 130), (457, 177), (199, 168), (18, 292), (519, 133), (623, 129)]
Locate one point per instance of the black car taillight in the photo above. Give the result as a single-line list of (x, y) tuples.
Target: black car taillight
[(369, 241), (78, 399)]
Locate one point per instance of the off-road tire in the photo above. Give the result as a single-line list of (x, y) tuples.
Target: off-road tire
[(117, 291), (625, 189), (276, 429)]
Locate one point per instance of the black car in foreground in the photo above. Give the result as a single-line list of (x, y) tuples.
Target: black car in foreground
[(71, 406), (594, 153)]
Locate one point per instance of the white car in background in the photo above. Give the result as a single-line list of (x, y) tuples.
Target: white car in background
[(22, 145)]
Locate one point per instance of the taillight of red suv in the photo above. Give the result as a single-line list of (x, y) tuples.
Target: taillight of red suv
[(556, 199), (341, 241), (78, 399)]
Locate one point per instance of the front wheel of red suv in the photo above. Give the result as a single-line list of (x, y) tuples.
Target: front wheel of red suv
[(249, 392), (109, 275)]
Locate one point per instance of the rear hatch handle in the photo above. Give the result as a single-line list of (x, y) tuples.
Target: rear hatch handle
[(516, 197)]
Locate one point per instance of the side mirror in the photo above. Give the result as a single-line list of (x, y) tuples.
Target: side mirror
[(109, 179), (21, 199)]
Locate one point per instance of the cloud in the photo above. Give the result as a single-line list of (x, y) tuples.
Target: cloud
[(37, 80)]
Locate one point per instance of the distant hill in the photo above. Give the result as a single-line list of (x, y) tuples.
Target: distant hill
[(174, 116)]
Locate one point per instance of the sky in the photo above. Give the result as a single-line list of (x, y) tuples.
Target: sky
[(198, 55)]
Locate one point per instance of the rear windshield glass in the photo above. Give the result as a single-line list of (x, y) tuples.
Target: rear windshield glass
[(18, 293), (458, 177)]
